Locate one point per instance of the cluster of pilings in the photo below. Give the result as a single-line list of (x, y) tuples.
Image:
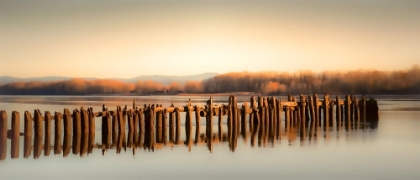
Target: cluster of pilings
[(152, 126)]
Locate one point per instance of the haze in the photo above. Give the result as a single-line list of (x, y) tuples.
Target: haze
[(123, 39)]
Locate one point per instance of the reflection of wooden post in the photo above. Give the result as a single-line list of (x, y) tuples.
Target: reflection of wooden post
[(27, 147), (3, 135), (14, 151), (58, 124), (47, 145), (67, 132)]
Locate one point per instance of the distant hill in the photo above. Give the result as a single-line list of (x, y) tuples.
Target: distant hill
[(9, 79), (166, 80)]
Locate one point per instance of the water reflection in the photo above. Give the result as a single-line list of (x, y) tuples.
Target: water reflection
[(255, 129)]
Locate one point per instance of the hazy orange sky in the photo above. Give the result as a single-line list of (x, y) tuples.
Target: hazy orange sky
[(128, 38)]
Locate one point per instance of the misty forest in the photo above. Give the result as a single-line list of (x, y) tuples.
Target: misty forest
[(266, 83)]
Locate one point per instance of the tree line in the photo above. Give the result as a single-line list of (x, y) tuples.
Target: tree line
[(267, 83)]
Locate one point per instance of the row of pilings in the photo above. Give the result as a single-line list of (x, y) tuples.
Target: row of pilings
[(267, 118)]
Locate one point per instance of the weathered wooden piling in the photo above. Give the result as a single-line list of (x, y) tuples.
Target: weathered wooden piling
[(14, 150), (77, 131), (164, 126), (114, 128), (220, 123), (338, 112), (38, 133), (178, 126), (159, 117), (209, 124), (347, 107), (92, 129), (106, 128), (197, 124), (47, 129), (171, 127), (244, 121), (303, 116), (188, 127), (85, 131), (67, 132), (356, 113), (27, 144), (326, 104), (316, 109), (3, 135), (58, 125), (141, 127)]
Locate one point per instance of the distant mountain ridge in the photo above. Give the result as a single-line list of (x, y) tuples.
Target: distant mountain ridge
[(166, 80)]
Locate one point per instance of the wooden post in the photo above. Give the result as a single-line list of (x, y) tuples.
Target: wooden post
[(210, 124), (130, 120), (141, 127), (313, 117), (317, 115), (188, 126), (303, 117), (47, 145), (14, 151), (363, 109), (114, 129), (85, 131), (106, 128), (338, 112), (159, 126), (326, 105), (197, 124), (27, 147), (77, 131), (67, 132), (287, 117), (178, 126), (92, 129), (230, 121), (58, 124), (357, 112), (352, 112), (171, 127), (347, 107), (164, 126), (3, 135), (331, 112), (221, 109), (243, 121)]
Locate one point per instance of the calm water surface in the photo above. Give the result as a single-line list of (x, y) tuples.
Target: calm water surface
[(390, 151)]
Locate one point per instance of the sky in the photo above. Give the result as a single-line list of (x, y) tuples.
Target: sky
[(128, 38)]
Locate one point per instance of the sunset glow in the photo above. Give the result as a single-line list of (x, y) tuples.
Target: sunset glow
[(123, 39)]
